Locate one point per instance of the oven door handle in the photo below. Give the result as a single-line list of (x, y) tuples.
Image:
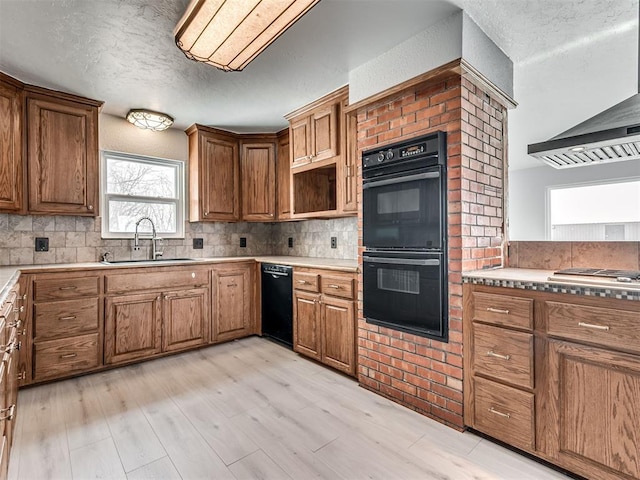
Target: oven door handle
[(403, 261), (407, 178)]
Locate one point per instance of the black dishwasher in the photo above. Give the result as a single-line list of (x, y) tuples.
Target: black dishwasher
[(277, 303)]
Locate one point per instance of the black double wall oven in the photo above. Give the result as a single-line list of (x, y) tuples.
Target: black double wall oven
[(405, 238)]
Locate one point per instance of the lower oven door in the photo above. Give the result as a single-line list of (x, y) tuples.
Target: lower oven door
[(406, 291)]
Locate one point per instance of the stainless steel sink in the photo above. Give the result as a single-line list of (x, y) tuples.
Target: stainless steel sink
[(146, 260)]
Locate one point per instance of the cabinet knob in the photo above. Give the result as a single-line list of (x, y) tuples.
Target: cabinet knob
[(90, 207), (167, 297), (206, 213)]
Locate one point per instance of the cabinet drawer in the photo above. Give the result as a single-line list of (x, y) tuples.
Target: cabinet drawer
[(63, 288), (65, 319), (503, 354), (602, 326), (164, 280), (337, 286), (58, 358), (306, 281), (505, 413), (504, 310)]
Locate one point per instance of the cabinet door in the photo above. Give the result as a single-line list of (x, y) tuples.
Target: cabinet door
[(338, 334), (232, 303), (300, 138), (306, 324), (594, 416), (62, 157), (185, 321), (11, 360), (349, 178), (10, 148), (324, 133), (132, 327), (24, 332), (258, 181), (219, 182), (283, 184)]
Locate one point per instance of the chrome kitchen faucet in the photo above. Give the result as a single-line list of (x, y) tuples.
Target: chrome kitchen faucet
[(157, 243)]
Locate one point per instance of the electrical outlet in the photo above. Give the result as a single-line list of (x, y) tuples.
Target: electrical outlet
[(198, 243), (290, 242), (243, 242), (334, 242), (42, 244)]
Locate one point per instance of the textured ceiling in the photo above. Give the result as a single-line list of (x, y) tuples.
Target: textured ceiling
[(122, 51)]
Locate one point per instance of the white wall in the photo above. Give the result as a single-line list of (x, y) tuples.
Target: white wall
[(454, 37), (554, 93), (118, 135)]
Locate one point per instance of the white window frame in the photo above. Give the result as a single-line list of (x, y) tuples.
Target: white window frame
[(179, 201)]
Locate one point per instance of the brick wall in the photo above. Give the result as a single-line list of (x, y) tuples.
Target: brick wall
[(425, 374)]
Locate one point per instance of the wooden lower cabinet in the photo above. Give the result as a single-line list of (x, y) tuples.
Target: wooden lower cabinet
[(338, 332), (184, 322), (233, 293), (324, 322), (581, 408), (133, 328), (306, 332), (594, 404)]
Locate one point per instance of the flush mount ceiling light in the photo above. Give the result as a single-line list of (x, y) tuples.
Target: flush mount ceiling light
[(149, 119), (228, 34)]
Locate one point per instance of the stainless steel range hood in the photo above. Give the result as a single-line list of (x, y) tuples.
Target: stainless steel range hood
[(610, 136)]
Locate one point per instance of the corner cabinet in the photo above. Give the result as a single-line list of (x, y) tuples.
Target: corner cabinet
[(62, 153), (214, 176), (556, 375), (11, 166), (324, 323), (258, 173)]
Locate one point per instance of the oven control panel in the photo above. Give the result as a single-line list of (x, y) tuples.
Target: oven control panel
[(428, 146)]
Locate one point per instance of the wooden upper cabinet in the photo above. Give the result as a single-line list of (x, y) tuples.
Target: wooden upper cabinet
[(258, 171), (283, 182), (11, 187), (324, 132), (300, 146), (316, 130), (62, 153), (214, 180)]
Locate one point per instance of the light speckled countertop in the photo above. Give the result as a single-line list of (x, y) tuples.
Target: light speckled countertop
[(9, 274), (531, 279)]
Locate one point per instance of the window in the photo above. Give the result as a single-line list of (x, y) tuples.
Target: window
[(135, 187), (595, 212)]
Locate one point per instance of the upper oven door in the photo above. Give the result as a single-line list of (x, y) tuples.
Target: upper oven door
[(403, 210)]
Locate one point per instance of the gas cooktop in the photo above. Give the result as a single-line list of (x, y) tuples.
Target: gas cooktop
[(621, 275)]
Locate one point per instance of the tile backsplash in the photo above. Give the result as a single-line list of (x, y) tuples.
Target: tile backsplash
[(559, 255), (78, 239)]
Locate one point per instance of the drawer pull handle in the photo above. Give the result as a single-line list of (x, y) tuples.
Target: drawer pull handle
[(232, 284), (17, 324), (69, 355), (70, 287), (9, 349), (501, 414), (71, 317), (18, 310), (11, 410), (334, 286), (491, 353), (22, 375), (595, 327), (497, 310), (302, 282)]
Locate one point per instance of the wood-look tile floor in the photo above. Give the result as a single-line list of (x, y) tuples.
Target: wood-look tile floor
[(243, 410)]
